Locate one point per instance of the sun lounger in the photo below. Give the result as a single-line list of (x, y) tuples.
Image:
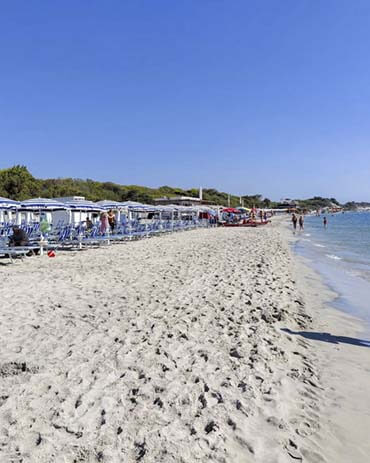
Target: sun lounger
[(17, 251)]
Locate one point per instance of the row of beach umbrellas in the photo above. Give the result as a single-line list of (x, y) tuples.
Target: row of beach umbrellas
[(79, 204)]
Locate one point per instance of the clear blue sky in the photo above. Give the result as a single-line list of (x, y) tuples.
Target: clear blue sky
[(259, 96)]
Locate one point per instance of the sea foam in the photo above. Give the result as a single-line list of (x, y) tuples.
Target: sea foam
[(333, 256)]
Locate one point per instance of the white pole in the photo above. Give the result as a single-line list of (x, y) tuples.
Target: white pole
[(80, 232), (129, 223), (160, 220)]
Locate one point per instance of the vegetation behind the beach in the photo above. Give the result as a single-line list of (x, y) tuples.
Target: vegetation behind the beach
[(19, 184)]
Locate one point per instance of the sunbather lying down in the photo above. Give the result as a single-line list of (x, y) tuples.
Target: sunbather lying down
[(19, 237)]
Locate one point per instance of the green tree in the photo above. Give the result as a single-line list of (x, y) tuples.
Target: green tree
[(17, 183)]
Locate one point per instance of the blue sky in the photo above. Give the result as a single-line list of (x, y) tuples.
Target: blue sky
[(269, 97)]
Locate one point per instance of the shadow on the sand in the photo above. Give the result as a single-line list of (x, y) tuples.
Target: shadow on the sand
[(327, 337)]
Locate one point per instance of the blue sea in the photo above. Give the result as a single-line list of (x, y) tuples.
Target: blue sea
[(341, 254)]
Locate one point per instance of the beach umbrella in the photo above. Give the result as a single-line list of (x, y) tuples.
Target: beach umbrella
[(106, 204), (131, 204), (210, 211), (6, 203), (175, 207), (42, 204), (82, 205), (146, 208), (231, 210), (138, 207)]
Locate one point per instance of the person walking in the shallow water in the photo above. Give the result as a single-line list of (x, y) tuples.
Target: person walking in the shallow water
[(301, 222), (325, 222), (294, 221)]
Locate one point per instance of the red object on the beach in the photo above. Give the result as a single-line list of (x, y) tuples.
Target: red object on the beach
[(51, 253), (231, 209)]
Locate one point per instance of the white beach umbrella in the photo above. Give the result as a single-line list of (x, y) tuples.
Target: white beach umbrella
[(146, 208), (138, 207), (40, 205), (36, 204), (108, 204), (6, 203), (83, 205), (131, 204), (170, 207)]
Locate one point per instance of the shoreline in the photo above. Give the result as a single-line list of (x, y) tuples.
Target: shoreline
[(343, 362), (337, 299), (178, 349), (338, 273)]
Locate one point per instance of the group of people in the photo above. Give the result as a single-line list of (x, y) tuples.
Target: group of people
[(107, 221), (300, 222), (296, 220)]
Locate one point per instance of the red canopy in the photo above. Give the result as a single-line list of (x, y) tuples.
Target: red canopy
[(231, 209)]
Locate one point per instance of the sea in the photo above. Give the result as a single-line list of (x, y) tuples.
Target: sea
[(341, 254)]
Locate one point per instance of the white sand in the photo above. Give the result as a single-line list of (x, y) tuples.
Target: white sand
[(171, 350)]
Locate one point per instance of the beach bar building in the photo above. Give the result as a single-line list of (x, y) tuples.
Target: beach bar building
[(286, 205), (182, 201)]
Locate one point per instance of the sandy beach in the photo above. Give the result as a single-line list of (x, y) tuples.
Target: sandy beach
[(198, 346)]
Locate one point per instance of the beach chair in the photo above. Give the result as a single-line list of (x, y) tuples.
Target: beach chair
[(11, 252)]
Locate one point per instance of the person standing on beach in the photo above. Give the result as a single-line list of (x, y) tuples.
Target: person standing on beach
[(103, 223), (301, 221), (111, 220), (325, 222), (294, 221)]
